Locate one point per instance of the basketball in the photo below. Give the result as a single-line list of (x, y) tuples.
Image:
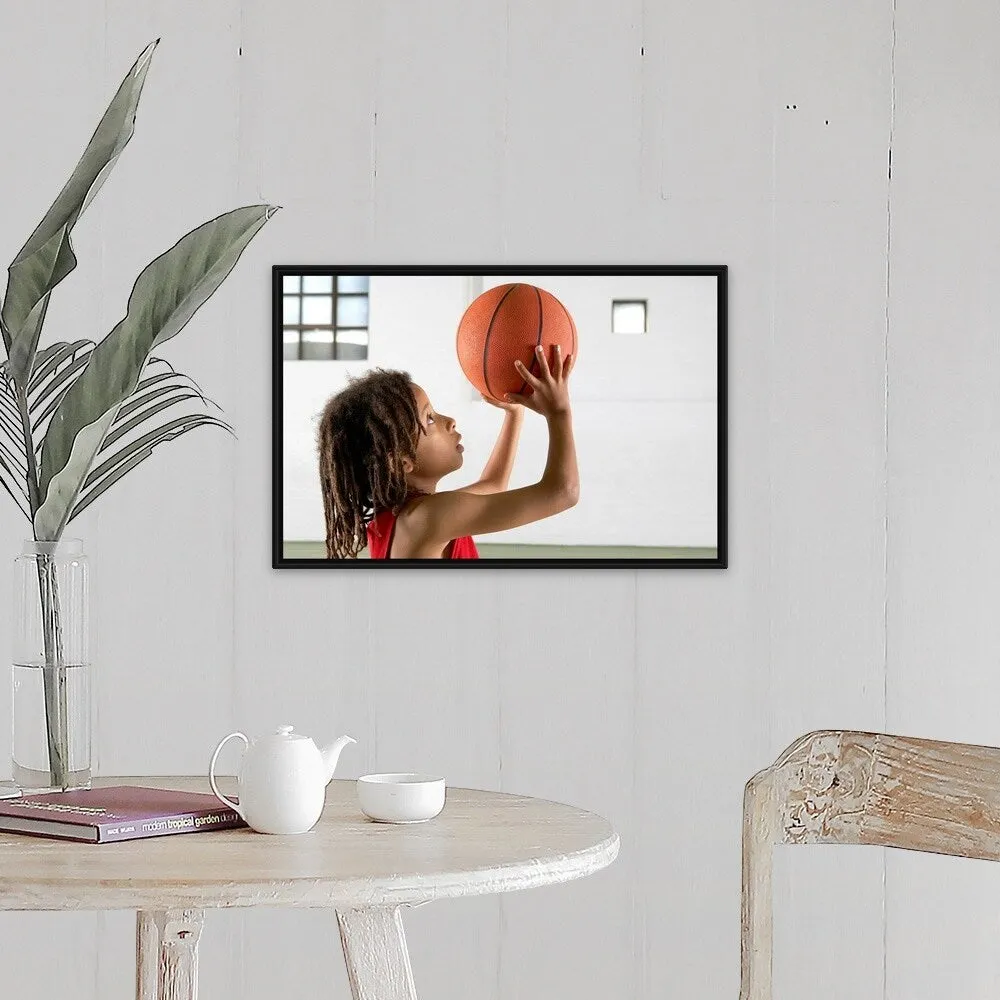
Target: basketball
[(504, 325)]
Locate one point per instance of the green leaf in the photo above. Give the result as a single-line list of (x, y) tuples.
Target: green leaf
[(12, 428), (49, 382), (15, 489), (48, 255), (120, 428), (151, 396), (10, 416), (51, 358), (22, 347), (12, 436), (142, 396), (65, 484), (165, 296), (137, 451), (169, 373), (54, 391), (13, 453), (41, 357)]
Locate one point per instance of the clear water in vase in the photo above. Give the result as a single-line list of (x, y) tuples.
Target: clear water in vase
[(31, 755), (50, 673)]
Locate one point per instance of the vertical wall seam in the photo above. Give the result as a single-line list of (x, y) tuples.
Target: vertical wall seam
[(373, 151), (885, 466), (638, 930), (233, 485), (638, 910), (885, 375), (373, 155), (642, 99), (372, 588), (506, 113), (369, 701), (95, 683), (501, 913), (238, 926), (499, 690), (95, 678), (773, 297)]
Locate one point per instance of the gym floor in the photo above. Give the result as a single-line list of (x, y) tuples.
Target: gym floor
[(317, 550)]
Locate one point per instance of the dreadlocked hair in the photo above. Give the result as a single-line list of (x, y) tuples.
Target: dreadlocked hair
[(365, 432)]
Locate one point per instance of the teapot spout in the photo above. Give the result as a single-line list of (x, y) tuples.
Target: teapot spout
[(331, 754)]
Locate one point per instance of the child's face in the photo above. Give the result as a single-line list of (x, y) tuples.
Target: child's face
[(438, 448)]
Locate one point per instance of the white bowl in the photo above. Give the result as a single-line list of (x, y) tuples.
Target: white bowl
[(400, 798)]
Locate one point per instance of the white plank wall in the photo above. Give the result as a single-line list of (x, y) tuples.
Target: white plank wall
[(827, 453), (944, 542), (863, 440)]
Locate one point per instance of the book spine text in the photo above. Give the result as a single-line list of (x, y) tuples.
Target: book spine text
[(158, 826)]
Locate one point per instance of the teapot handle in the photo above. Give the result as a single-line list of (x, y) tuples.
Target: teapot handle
[(211, 775)]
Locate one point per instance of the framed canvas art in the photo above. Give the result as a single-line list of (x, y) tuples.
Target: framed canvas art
[(507, 416)]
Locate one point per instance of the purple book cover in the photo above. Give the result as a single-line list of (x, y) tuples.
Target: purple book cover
[(118, 812)]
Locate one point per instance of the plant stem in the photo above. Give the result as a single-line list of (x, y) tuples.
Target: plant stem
[(54, 669), (53, 673)]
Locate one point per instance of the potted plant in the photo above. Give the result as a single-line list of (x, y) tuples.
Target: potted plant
[(78, 415)]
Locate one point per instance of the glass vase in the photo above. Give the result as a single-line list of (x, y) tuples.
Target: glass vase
[(51, 667)]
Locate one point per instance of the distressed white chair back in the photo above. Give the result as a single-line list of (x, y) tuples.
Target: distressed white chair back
[(838, 787)]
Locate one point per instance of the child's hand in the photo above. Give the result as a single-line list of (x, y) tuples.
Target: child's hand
[(502, 405), (550, 395)]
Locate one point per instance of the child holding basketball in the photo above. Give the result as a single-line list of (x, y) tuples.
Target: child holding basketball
[(383, 450)]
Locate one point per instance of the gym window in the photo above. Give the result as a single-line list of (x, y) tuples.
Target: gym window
[(324, 317), (628, 316)]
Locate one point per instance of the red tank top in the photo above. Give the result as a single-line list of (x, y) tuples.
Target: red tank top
[(382, 528)]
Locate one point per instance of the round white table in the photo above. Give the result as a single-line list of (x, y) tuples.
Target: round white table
[(482, 842)]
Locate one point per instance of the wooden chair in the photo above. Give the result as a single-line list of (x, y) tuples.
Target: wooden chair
[(834, 787)]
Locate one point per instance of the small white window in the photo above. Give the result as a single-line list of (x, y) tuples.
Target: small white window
[(628, 316)]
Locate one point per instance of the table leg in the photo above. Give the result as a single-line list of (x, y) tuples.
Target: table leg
[(378, 965), (167, 954)]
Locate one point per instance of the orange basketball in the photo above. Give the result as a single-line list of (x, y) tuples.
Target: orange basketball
[(504, 325)]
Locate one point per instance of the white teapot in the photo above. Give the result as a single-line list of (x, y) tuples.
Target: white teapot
[(282, 780)]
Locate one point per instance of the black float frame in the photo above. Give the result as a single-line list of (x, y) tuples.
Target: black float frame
[(720, 271)]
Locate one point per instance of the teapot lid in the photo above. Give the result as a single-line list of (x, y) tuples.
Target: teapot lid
[(285, 732)]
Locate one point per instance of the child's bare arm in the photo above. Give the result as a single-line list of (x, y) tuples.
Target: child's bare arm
[(451, 514), (496, 473), (455, 513)]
